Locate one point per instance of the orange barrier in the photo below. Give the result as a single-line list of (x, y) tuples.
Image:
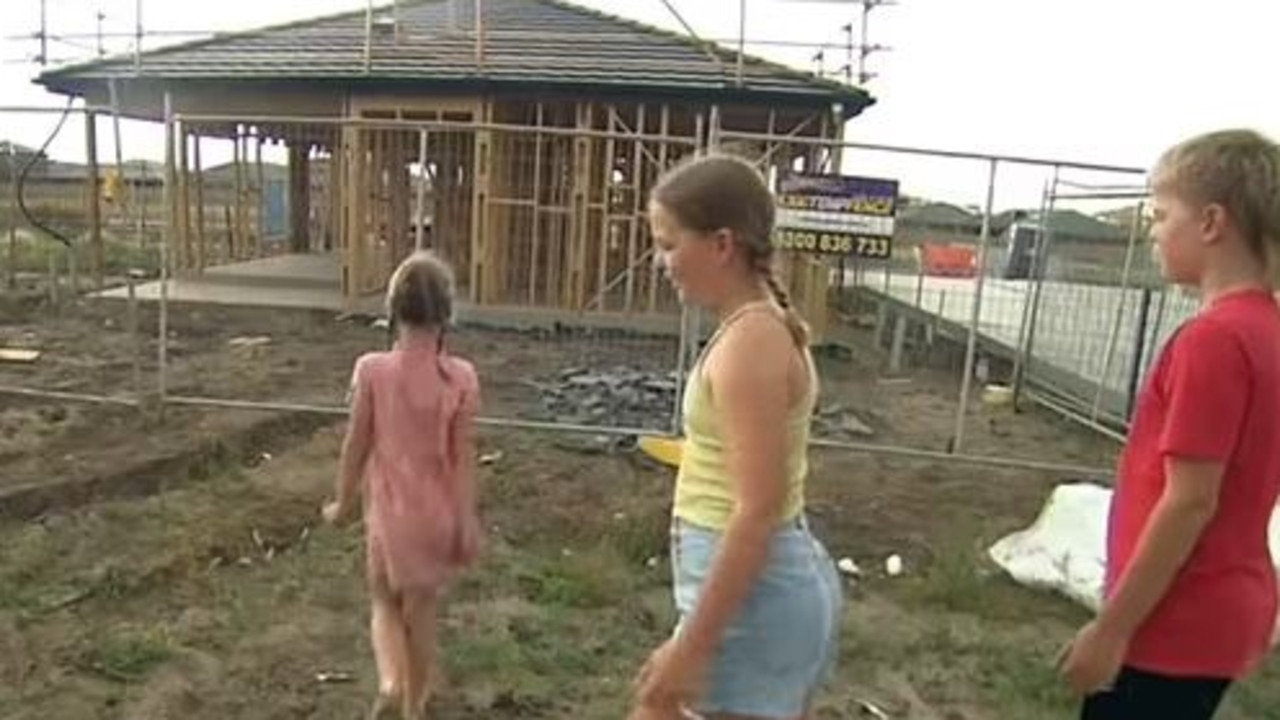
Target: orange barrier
[(947, 260)]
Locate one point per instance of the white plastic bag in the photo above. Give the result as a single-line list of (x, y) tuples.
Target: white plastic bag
[(1065, 550)]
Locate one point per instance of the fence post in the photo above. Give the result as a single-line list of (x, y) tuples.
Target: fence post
[(162, 347), (1139, 349), (1023, 356), (975, 317), (1025, 328)]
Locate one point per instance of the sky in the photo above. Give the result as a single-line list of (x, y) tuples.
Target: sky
[(1102, 81)]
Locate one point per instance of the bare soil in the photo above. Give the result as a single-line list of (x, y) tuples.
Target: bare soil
[(161, 565)]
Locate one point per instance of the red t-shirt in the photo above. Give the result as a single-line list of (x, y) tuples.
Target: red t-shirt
[(1214, 394)]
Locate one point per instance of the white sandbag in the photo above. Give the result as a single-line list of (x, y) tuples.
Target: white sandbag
[(1065, 549)]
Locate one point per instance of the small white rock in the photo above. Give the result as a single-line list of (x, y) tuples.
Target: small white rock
[(893, 565), (849, 567)]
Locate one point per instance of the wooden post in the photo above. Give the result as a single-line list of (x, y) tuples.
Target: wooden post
[(383, 235), (186, 253), (602, 241), (371, 188), (299, 198), (172, 221), (401, 181), (480, 179), (560, 160), (201, 249), (229, 223), (354, 193), (370, 193), (637, 207), (94, 199), (578, 219), (337, 193), (260, 225), (535, 231), (445, 233), (237, 237), (498, 235)]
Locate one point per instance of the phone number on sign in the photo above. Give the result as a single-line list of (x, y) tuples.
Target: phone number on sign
[(832, 243)]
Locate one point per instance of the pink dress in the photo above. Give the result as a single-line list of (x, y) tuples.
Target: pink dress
[(414, 401)]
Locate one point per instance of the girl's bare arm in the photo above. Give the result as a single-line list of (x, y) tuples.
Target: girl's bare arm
[(464, 435), (355, 446)]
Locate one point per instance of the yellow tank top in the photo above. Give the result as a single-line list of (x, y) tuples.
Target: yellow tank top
[(704, 488)]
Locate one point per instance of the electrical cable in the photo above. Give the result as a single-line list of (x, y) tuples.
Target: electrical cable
[(26, 170)]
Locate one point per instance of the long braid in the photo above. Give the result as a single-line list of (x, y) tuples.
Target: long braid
[(795, 324)]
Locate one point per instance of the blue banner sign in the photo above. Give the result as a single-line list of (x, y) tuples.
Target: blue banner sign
[(836, 215)]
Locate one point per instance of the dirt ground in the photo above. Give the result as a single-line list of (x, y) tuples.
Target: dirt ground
[(161, 566)]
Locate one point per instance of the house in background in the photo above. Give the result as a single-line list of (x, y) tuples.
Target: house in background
[(539, 125)]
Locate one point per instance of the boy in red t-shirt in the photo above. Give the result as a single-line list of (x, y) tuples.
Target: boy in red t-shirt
[(1190, 600)]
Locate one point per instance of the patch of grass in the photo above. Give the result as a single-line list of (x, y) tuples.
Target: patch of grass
[(1023, 682), (641, 536), (588, 578), (120, 254), (1259, 696), (126, 656), (952, 581)]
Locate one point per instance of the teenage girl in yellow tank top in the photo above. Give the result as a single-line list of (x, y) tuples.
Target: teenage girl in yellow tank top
[(759, 597)]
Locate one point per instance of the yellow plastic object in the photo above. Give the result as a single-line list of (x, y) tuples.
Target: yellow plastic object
[(112, 186), (666, 450), (997, 395)]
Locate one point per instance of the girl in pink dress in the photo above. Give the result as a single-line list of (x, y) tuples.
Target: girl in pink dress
[(410, 450)]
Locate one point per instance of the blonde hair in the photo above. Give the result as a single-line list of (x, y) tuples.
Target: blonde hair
[(420, 293), (1237, 169), (718, 192)]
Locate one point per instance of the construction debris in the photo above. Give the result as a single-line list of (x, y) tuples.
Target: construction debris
[(619, 397), (330, 678), (632, 398), (835, 420)]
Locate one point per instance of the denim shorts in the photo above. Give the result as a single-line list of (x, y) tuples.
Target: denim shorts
[(783, 643)]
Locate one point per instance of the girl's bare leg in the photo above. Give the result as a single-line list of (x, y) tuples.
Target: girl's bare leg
[(389, 634), (420, 621)]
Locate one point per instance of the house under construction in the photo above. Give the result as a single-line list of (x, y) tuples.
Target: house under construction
[(518, 138)]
